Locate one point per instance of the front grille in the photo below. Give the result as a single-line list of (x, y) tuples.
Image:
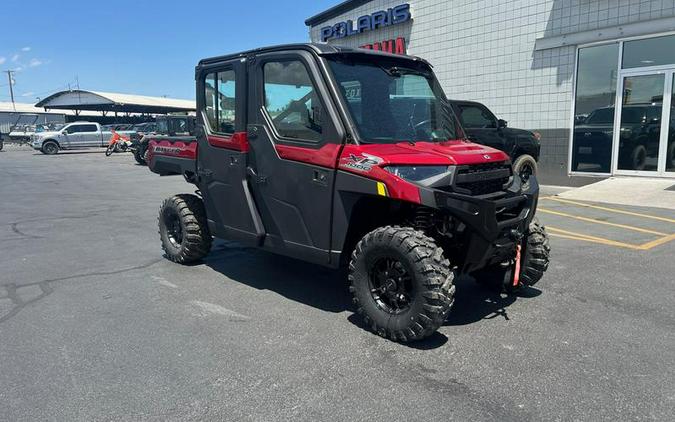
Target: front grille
[(482, 179)]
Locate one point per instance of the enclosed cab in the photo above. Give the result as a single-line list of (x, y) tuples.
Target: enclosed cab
[(350, 158)]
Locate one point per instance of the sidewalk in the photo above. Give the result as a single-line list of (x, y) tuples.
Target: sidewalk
[(632, 191)]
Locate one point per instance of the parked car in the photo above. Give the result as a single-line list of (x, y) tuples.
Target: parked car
[(313, 171), (483, 127), (639, 138), (170, 125), (72, 136)]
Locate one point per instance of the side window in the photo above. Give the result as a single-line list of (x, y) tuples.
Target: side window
[(74, 129), (476, 117), (292, 101), (220, 101), (88, 128)]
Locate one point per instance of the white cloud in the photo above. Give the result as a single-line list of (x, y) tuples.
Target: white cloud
[(15, 57), (27, 94), (34, 62), (25, 49), (2, 60), (18, 69)]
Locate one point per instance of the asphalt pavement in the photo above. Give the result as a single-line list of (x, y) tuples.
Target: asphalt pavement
[(96, 325)]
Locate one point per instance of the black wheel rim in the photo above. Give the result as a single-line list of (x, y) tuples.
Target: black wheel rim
[(50, 148), (526, 171), (391, 285), (174, 229)]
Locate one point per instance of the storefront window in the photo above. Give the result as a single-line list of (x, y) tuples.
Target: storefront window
[(594, 108), (649, 52)]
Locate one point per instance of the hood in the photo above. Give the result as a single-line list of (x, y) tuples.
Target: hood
[(428, 153)]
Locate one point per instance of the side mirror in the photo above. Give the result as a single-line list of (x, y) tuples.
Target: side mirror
[(501, 123)]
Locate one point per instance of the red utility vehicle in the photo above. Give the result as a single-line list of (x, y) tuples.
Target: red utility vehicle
[(349, 157)]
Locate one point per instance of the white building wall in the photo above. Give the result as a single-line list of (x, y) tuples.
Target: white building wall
[(484, 51)]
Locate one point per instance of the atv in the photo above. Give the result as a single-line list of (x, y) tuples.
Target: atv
[(349, 158)]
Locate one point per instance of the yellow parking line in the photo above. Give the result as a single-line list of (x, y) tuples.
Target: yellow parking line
[(606, 223), (580, 236), (618, 211), (657, 242)]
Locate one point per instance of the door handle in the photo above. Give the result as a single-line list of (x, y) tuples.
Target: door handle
[(320, 177), (256, 178)]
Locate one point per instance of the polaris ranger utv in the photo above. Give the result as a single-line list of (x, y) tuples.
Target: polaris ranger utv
[(170, 125), (352, 158)]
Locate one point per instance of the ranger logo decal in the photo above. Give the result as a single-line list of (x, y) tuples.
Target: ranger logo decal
[(168, 150)]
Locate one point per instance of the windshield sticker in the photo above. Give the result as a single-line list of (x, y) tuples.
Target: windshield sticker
[(362, 162)]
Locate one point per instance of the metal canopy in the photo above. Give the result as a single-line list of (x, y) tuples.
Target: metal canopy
[(113, 102)]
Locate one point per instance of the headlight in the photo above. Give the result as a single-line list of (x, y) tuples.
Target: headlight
[(424, 175)]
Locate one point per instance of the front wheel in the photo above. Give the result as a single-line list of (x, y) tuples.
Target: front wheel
[(183, 229), (50, 148), (109, 151), (401, 283), (534, 262), (525, 166)]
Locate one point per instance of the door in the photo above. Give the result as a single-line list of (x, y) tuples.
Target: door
[(644, 133), (295, 138), (89, 136), (481, 125), (223, 153)]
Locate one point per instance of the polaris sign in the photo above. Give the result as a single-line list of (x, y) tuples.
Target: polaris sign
[(380, 19)]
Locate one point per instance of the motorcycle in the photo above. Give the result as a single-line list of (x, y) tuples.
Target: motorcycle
[(118, 143)]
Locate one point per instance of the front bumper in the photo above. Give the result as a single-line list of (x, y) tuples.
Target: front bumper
[(494, 223)]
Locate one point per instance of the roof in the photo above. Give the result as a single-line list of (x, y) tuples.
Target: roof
[(110, 101), (322, 49), (334, 11), (26, 108)]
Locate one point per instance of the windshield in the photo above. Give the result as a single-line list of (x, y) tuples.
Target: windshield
[(391, 101)]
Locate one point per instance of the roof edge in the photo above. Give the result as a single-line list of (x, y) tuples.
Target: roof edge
[(334, 11)]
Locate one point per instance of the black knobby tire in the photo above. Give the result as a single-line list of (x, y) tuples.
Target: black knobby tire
[(183, 229), (50, 148), (426, 288), (110, 150), (536, 254), (141, 154)]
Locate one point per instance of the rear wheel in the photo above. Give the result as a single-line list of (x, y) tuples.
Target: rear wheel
[(183, 229), (50, 148), (140, 155), (401, 283)]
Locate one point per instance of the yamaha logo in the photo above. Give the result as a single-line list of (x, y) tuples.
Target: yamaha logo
[(487, 157)]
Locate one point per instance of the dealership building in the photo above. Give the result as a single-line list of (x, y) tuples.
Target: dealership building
[(594, 78)]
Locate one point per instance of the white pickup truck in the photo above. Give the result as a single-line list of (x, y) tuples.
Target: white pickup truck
[(73, 136)]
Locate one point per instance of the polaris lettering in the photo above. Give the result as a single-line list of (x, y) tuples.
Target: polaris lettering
[(379, 19)]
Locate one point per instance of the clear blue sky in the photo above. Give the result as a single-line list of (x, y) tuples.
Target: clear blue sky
[(136, 47)]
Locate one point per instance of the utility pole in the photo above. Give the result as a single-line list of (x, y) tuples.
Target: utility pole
[(11, 87)]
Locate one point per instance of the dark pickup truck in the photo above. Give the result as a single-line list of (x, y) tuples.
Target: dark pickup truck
[(481, 126)]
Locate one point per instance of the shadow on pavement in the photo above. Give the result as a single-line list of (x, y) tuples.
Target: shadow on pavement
[(326, 289), (477, 301), (296, 280)]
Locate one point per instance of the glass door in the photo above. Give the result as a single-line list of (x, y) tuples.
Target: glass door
[(644, 132)]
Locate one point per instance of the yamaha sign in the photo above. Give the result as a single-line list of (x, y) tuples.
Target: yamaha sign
[(379, 19)]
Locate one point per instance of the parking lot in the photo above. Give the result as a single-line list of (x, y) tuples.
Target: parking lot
[(95, 324)]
